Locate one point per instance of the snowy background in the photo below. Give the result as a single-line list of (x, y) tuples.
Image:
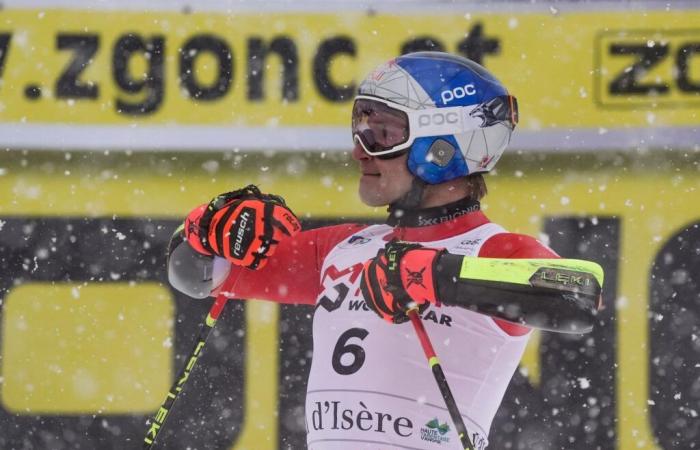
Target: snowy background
[(112, 132)]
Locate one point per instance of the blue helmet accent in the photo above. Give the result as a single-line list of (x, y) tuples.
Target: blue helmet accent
[(426, 80), (434, 173), (451, 80)]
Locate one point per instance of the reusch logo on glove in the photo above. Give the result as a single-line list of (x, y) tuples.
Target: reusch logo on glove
[(243, 226), (292, 220)]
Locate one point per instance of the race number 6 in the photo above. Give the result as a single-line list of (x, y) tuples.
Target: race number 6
[(342, 347)]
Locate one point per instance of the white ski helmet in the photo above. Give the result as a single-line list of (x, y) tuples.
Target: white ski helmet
[(449, 113)]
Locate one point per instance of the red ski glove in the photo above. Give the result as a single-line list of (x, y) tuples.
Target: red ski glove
[(399, 276), (243, 226)]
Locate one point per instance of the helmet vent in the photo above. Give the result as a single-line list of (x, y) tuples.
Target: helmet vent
[(440, 153)]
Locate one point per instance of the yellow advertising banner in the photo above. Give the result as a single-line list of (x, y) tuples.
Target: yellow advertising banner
[(285, 80)]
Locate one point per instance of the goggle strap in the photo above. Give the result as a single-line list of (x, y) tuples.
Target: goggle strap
[(447, 121), (442, 121)]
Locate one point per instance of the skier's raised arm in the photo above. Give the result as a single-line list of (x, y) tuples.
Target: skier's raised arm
[(255, 241), (551, 294)]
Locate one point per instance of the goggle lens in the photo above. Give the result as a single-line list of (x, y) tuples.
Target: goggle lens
[(377, 126)]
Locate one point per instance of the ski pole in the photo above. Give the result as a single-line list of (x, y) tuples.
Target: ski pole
[(440, 378), (204, 331)]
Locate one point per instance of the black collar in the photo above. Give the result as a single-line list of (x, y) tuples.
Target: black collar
[(431, 216)]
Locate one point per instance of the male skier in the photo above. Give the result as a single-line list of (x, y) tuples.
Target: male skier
[(425, 127)]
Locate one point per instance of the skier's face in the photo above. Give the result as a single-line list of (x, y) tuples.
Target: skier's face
[(382, 181)]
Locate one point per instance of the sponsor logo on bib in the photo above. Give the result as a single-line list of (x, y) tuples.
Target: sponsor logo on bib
[(434, 431)]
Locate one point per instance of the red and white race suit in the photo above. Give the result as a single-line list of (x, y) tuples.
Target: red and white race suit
[(370, 385)]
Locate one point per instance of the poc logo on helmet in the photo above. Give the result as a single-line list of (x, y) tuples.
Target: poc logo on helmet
[(458, 92), (437, 118)]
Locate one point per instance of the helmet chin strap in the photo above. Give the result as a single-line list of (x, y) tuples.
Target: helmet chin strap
[(410, 200)]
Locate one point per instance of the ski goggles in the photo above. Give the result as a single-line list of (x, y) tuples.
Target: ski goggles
[(385, 129)]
